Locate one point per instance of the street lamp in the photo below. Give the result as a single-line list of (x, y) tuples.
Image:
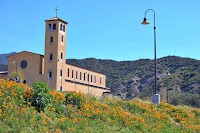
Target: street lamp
[(156, 97)]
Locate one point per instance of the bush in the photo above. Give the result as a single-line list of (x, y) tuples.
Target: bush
[(40, 97)]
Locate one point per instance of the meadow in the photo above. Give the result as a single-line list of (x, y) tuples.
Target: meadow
[(36, 108)]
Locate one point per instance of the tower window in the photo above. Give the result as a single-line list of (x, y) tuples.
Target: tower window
[(80, 75), (61, 27), (51, 39), (61, 56), (54, 26), (50, 74), (51, 57), (64, 28), (61, 72), (72, 73), (49, 27), (68, 72), (91, 78), (62, 38)]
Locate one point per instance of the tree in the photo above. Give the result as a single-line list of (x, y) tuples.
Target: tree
[(18, 74)]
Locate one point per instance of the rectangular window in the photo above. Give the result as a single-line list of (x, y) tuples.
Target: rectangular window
[(76, 75), (61, 72), (94, 79), (60, 88), (50, 74), (80, 75), (72, 73), (62, 38), (68, 72), (51, 57), (88, 77), (51, 40), (84, 77), (61, 56), (91, 78), (100, 80)]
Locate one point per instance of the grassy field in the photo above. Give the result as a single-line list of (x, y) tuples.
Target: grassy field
[(36, 109)]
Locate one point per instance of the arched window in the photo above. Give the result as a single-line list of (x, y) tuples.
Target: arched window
[(64, 28), (49, 27), (60, 26), (54, 26)]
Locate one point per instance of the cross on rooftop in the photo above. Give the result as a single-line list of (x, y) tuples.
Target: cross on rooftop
[(56, 11)]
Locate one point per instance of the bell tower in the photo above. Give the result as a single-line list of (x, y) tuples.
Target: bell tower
[(55, 52)]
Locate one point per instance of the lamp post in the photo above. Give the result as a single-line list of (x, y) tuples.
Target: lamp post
[(156, 97)]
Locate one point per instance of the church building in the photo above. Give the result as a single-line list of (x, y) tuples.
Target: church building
[(52, 68)]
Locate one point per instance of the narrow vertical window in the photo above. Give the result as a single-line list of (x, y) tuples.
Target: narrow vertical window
[(61, 72), (72, 73), (61, 56), (91, 78), (68, 72), (50, 74), (51, 57), (76, 75), (62, 38), (100, 80), (54, 26), (88, 77), (80, 75), (51, 39), (94, 79), (84, 77), (63, 27), (60, 88), (49, 27)]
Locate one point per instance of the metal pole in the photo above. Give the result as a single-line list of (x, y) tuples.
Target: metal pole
[(155, 60)]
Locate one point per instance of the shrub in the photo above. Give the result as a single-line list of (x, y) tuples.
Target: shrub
[(40, 97)]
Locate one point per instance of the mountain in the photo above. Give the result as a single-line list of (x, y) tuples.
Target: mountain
[(4, 58)]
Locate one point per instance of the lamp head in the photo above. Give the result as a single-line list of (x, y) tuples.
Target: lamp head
[(145, 22)]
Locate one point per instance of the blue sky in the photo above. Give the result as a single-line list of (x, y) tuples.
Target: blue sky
[(104, 29)]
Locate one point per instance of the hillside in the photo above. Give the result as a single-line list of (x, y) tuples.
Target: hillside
[(38, 109), (129, 79), (3, 67), (4, 58)]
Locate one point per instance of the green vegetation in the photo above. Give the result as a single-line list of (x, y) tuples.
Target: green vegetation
[(18, 74), (130, 79), (76, 112)]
